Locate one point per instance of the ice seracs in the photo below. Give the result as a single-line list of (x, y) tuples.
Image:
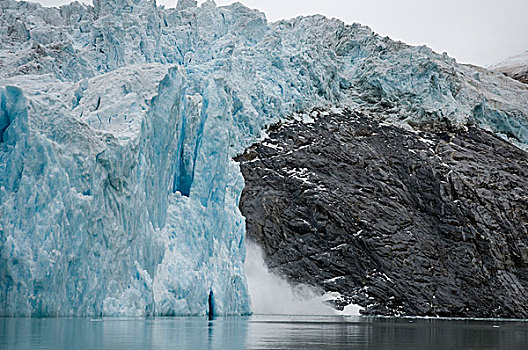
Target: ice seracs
[(119, 121)]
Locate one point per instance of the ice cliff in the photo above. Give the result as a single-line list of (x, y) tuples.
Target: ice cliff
[(119, 121)]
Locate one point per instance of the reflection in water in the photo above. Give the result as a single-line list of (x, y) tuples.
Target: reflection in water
[(261, 332), (385, 333)]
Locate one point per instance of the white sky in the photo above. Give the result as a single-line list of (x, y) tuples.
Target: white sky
[(473, 31)]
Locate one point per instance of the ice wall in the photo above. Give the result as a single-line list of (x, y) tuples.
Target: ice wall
[(118, 123)]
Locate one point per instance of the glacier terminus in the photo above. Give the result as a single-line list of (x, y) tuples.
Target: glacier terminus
[(119, 122)]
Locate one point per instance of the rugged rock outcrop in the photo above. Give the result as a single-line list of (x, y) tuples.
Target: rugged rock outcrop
[(402, 222)]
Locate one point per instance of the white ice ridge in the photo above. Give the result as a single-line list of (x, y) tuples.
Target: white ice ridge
[(118, 123)]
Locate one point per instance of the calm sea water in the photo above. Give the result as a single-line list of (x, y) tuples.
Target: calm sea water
[(262, 332)]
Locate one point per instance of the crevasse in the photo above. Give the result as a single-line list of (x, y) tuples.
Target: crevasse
[(119, 121)]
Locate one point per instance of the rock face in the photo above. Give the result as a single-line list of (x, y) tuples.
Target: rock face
[(431, 222)]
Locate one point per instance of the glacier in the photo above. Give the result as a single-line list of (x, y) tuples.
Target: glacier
[(119, 122)]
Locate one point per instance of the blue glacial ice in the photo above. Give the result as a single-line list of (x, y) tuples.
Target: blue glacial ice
[(119, 121)]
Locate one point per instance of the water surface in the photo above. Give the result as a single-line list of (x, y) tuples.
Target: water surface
[(262, 332)]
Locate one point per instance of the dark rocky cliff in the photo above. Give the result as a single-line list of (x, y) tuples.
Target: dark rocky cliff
[(400, 222)]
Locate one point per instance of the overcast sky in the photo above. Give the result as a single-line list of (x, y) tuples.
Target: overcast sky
[(473, 31)]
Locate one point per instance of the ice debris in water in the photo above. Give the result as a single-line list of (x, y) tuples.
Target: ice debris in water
[(119, 120)]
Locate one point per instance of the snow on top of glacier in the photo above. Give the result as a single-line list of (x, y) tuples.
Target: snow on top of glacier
[(513, 65)]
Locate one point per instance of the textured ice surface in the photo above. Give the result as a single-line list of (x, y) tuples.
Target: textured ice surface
[(118, 123)]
